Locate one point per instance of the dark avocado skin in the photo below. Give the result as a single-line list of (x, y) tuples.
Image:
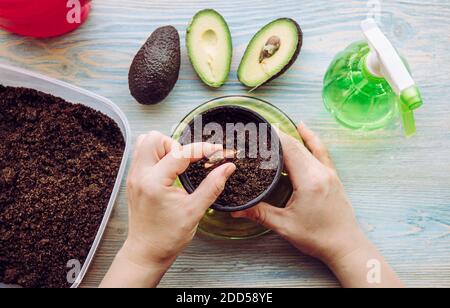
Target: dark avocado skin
[(295, 57), (156, 67)]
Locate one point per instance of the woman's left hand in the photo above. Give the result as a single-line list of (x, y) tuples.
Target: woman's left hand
[(163, 219)]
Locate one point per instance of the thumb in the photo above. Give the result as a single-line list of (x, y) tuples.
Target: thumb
[(265, 214), (212, 187)]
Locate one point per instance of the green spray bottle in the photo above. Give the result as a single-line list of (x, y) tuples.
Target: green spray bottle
[(368, 84)]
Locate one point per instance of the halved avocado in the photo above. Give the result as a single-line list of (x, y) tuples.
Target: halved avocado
[(271, 52), (209, 46)]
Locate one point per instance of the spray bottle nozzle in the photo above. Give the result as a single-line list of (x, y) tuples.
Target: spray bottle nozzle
[(410, 100), (386, 62)]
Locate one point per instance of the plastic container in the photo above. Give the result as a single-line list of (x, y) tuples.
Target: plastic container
[(42, 18), (16, 77)]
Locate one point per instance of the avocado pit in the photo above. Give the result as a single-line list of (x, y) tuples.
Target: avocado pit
[(270, 48), (221, 157)]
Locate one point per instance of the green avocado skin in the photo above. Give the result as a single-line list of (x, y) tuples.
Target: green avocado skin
[(156, 67)]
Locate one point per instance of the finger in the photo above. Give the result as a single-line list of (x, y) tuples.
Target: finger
[(315, 145), (197, 151), (265, 214), (152, 147), (211, 188), (139, 142), (297, 159), (179, 159), (136, 147)]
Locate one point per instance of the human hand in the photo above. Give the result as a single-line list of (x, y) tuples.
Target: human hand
[(319, 219), (163, 219)]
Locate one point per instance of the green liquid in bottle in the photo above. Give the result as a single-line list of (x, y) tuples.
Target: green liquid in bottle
[(355, 97)]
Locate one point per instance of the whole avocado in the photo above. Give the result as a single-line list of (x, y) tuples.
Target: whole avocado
[(156, 67)]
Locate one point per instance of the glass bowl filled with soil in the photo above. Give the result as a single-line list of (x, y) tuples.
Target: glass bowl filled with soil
[(244, 126), (64, 153)]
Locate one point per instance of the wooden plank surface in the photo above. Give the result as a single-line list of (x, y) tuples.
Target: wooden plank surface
[(400, 188)]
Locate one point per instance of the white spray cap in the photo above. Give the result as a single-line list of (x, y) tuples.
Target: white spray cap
[(384, 61)]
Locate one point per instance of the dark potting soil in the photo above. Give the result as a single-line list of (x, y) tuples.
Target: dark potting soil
[(250, 180), (58, 165)]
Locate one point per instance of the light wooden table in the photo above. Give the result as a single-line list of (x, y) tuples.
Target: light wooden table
[(400, 188)]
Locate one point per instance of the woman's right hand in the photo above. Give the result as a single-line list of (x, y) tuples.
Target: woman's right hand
[(319, 219)]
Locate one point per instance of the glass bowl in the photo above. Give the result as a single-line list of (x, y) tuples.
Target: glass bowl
[(221, 224)]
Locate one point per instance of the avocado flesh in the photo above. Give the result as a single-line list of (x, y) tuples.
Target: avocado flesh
[(253, 73), (209, 46), (156, 67)]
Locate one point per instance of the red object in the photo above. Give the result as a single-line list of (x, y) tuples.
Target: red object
[(43, 18)]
